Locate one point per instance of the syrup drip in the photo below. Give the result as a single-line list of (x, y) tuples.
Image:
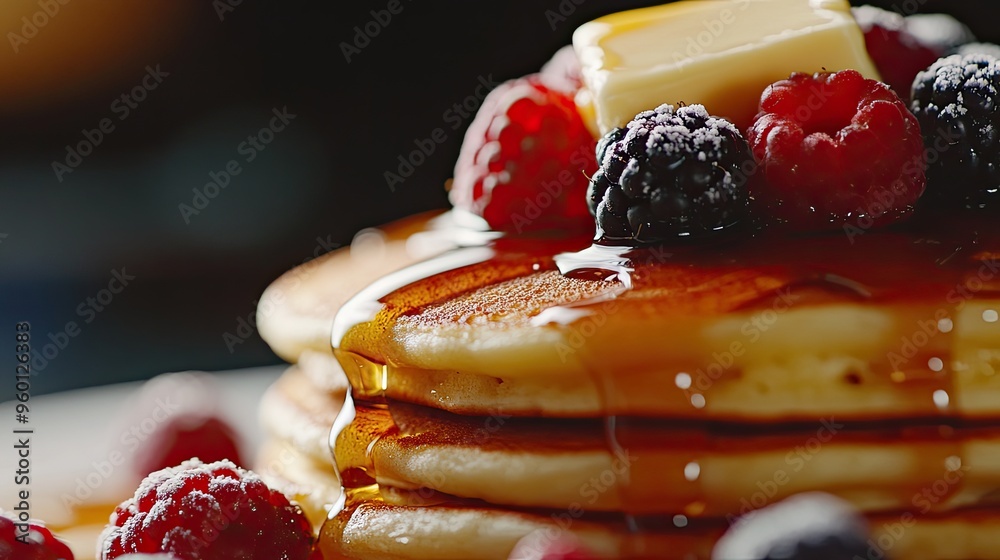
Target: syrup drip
[(824, 269), (598, 262)]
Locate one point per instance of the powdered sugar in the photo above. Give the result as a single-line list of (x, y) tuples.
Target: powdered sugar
[(988, 49), (187, 508), (688, 130), (870, 16)]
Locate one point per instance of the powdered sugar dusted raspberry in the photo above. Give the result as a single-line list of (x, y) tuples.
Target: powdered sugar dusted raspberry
[(215, 511), (38, 544), (858, 154)]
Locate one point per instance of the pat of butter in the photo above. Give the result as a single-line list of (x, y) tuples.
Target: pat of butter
[(718, 53)]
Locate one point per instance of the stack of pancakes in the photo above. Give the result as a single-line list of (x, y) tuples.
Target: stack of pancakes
[(644, 399), (295, 316)]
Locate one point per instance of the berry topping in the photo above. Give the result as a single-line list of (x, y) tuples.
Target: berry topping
[(522, 164), (833, 148), (544, 545), (811, 526), (175, 417), (670, 174), (29, 540), (215, 511), (939, 32), (897, 53), (562, 71), (208, 438), (988, 49), (956, 101)]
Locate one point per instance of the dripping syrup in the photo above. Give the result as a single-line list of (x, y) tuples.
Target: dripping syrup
[(823, 267)]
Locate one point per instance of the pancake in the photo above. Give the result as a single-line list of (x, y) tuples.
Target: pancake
[(296, 311), (312, 484), (373, 530), (495, 382), (889, 325), (703, 471), (297, 412), (298, 409)]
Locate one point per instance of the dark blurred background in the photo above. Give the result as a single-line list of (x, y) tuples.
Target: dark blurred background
[(114, 113)]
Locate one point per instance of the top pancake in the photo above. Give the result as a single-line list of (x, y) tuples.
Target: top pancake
[(885, 324), (296, 311)]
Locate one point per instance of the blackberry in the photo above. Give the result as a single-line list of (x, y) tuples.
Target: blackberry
[(670, 174), (957, 102), (811, 526)]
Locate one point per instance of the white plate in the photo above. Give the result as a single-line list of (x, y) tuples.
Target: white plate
[(76, 433)]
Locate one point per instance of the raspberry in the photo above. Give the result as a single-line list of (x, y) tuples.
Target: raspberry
[(956, 102), (811, 526), (208, 438), (522, 164), (670, 174), (562, 71), (835, 147), (542, 545), (939, 32), (40, 545), (897, 53), (214, 511), (183, 407)]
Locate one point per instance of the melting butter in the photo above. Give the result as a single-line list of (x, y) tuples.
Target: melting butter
[(717, 53)]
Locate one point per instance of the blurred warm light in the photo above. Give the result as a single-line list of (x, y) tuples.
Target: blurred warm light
[(55, 50)]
